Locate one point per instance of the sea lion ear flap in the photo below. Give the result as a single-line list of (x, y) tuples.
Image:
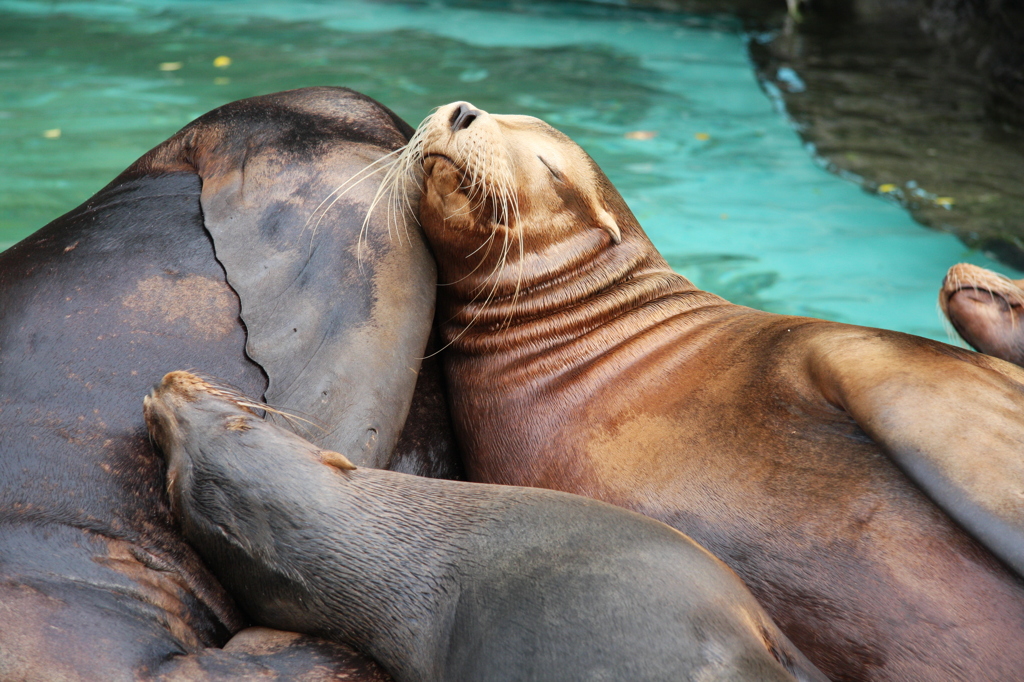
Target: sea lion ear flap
[(335, 459), (606, 221)]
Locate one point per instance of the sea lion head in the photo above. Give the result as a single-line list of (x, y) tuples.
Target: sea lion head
[(194, 420), (986, 310), (234, 479), (501, 191)]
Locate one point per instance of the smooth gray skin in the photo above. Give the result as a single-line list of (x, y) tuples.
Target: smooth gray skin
[(442, 580), (128, 286), (337, 313)]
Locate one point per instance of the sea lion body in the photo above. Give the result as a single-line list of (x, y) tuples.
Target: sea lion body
[(985, 309), (212, 250), (812, 457), (442, 580)]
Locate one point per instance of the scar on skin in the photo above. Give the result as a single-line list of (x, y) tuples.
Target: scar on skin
[(206, 306)]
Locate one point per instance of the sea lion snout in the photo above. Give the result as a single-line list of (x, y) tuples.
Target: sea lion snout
[(463, 115), (183, 384), (158, 408), (184, 406), (159, 417), (163, 408)]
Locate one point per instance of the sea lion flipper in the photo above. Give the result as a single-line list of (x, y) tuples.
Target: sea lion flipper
[(257, 652), (952, 423), (335, 459), (318, 288), (985, 309)]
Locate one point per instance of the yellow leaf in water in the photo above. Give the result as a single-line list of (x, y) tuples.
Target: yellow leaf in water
[(222, 62), (945, 201), (641, 134), (51, 134), (702, 136), (171, 66), (886, 188)]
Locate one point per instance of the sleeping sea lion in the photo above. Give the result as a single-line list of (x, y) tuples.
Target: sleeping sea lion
[(220, 248), (985, 309), (865, 484), (442, 580)]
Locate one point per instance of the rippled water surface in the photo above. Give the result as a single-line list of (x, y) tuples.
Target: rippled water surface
[(667, 104)]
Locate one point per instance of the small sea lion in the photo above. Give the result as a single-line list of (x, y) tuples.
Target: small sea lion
[(444, 580), (985, 309), (865, 484), (234, 246)]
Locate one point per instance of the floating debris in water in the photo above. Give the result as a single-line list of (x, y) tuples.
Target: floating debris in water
[(473, 75), (702, 136), (640, 167), (886, 188), (222, 62), (641, 134), (922, 193), (945, 202), (171, 66), (51, 134), (790, 79)]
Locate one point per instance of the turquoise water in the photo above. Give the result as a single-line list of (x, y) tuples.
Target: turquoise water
[(667, 104)]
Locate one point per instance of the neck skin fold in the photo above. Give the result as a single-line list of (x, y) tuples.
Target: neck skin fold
[(542, 302)]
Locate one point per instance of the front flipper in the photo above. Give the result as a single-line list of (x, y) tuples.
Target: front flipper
[(265, 654), (952, 420), (337, 313), (81, 606)]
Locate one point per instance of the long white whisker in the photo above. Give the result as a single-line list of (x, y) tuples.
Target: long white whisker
[(403, 177), (354, 178), (483, 305)]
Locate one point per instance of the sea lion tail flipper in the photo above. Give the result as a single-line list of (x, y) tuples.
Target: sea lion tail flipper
[(335, 459)]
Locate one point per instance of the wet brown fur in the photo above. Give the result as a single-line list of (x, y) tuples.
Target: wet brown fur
[(593, 368)]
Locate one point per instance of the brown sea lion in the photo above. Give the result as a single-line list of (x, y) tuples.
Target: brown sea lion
[(862, 482), (220, 248), (985, 309), (442, 580)]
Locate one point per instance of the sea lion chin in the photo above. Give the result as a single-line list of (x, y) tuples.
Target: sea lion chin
[(829, 465), (985, 308)]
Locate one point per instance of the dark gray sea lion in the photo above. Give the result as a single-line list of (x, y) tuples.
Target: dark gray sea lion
[(986, 310), (442, 580), (220, 248), (863, 483)]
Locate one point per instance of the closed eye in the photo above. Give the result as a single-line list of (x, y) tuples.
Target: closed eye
[(554, 173)]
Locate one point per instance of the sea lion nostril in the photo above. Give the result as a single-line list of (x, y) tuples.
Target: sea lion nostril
[(463, 116)]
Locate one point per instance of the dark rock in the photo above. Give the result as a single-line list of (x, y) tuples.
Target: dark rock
[(886, 97), (921, 101)]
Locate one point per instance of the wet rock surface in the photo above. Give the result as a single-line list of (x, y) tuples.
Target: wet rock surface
[(882, 103), (921, 101)]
